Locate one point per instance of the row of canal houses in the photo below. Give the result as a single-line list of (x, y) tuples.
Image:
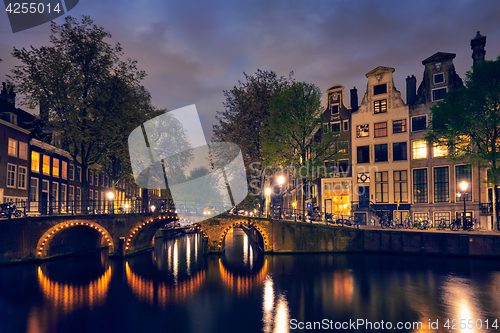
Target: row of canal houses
[(389, 168), (42, 179)]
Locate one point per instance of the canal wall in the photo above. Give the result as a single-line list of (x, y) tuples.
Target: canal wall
[(307, 238)]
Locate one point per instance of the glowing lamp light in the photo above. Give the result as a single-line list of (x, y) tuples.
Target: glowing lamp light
[(268, 191), (110, 195), (281, 180), (153, 208), (464, 185)]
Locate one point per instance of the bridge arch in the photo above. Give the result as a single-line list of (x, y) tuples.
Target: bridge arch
[(141, 236), (215, 230), (42, 251), (246, 224)]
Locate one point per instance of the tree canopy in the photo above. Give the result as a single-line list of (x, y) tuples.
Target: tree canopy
[(89, 96), (467, 121), (245, 117)]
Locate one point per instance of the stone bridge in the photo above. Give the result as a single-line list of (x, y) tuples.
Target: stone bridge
[(44, 237), (33, 238)]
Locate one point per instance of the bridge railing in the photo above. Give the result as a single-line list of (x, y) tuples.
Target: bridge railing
[(127, 206)]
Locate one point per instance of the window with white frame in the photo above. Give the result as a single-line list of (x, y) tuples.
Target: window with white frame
[(63, 196), (12, 147), (78, 173), (346, 125), (91, 177), (34, 194), (438, 78), (21, 177), (11, 175), (438, 94)]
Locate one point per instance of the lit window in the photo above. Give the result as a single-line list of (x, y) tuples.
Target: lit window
[(439, 149), (64, 169), (419, 149), (399, 126), (463, 143), (380, 129), (23, 150), (35, 161), (12, 147), (55, 167), (362, 131), (380, 106), (46, 165)]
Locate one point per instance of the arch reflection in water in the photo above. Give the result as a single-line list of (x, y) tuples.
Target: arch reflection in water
[(175, 273), (242, 266), (69, 297)]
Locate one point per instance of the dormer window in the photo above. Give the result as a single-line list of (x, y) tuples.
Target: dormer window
[(439, 78), (380, 89), (380, 106)]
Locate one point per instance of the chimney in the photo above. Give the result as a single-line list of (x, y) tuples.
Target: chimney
[(354, 99), (411, 89), (477, 45), (12, 95)]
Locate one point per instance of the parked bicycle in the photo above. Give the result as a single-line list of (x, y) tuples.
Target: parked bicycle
[(386, 223), (455, 224), (408, 224), (8, 209), (442, 224), (423, 224)]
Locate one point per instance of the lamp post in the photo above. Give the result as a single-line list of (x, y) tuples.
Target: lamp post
[(463, 187), (110, 197), (268, 193), (281, 181), (294, 204)]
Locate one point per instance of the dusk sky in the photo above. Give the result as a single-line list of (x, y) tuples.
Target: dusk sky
[(193, 50)]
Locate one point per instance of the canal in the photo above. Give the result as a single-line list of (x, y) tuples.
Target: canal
[(175, 288)]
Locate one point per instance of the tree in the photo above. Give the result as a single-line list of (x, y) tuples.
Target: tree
[(467, 122), (297, 136), (245, 116), (87, 94)]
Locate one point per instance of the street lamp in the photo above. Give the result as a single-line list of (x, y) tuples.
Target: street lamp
[(294, 204), (268, 193), (110, 197), (281, 181), (463, 187)]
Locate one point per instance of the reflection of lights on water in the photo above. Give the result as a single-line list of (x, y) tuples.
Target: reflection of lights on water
[(147, 291), (275, 319), (268, 304), (461, 302), (196, 248), (281, 322), (70, 297), (188, 256), (245, 250), (176, 262)]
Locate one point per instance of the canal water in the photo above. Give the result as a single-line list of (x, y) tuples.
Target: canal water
[(177, 289)]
